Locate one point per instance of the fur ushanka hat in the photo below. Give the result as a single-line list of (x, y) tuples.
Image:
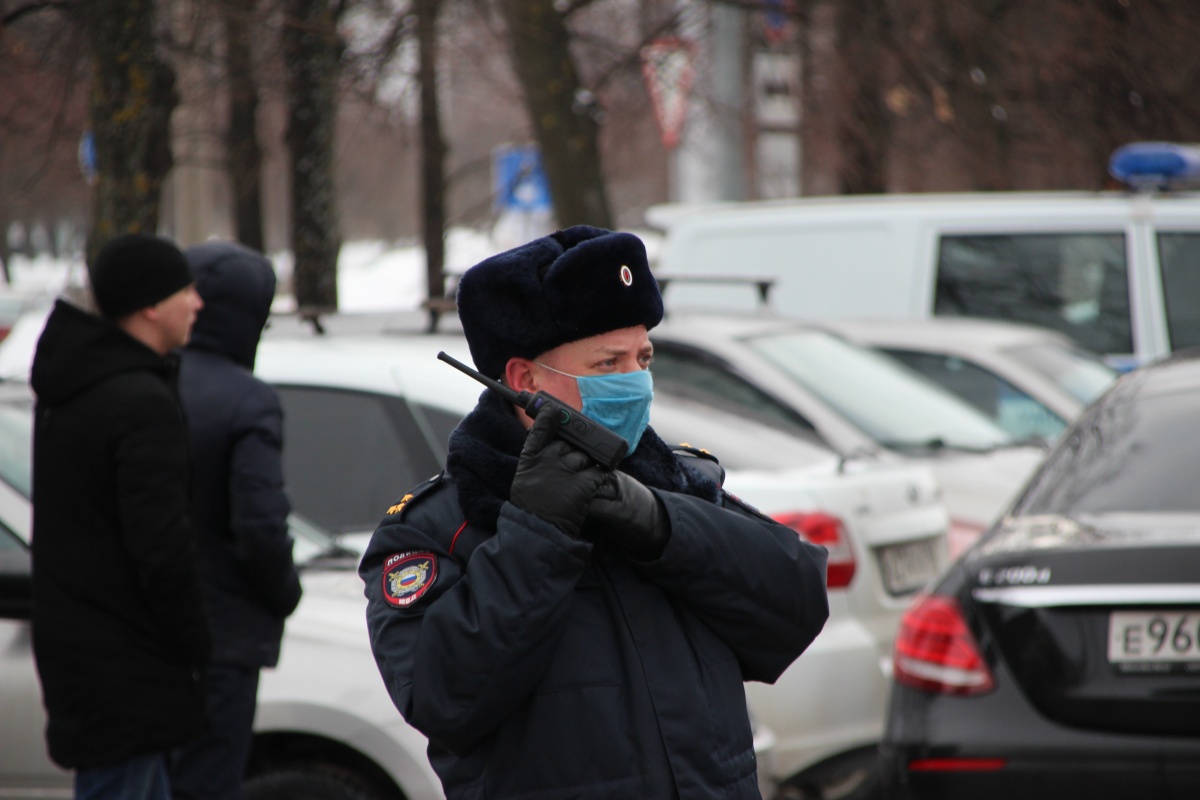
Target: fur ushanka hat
[(572, 284)]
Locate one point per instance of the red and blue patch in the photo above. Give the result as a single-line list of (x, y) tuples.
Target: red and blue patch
[(407, 577)]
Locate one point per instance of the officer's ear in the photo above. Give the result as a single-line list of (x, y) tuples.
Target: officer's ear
[(519, 375)]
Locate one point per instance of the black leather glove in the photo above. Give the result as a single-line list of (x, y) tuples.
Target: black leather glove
[(554, 481), (630, 516)]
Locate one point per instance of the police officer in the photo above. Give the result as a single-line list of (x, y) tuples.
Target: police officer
[(557, 629)]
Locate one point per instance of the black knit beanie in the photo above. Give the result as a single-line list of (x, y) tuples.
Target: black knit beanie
[(567, 286), (136, 270)]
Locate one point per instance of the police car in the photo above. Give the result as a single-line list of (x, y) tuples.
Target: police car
[(367, 417)]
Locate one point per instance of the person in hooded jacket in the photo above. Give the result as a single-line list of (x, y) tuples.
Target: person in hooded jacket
[(558, 629), (250, 582), (120, 638)]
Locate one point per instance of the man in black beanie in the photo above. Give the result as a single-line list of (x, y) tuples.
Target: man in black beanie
[(119, 633), (558, 629)]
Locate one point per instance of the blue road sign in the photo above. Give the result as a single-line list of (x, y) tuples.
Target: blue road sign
[(519, 184), (87, 156)]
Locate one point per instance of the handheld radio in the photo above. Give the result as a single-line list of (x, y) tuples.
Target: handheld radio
[(606, 447)]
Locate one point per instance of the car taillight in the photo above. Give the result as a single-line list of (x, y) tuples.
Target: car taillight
[(827, 531), (936, 652)]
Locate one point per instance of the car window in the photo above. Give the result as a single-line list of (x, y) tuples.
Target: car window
[(1129, 453), (348, 455), (739, 443), (1179, 260), (1016, 411), (692, 373), (1076, 283), (16, 443), (1078, 373), (436, 424), (9, 543), (889, 402)]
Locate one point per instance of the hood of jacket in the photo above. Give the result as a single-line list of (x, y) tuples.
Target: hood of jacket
[(78, 350), (237, 285)]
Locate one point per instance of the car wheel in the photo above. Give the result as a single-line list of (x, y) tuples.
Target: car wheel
[(308, 784)]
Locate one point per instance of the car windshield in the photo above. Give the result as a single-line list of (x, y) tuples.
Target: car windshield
[(1079, 373), (1131, 454), (888, 401)]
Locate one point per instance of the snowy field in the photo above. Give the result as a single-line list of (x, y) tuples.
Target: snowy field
[(372, 275)]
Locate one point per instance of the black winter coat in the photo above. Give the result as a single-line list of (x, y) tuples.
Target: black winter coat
[(119, 633), (235, 428), (541, 666)]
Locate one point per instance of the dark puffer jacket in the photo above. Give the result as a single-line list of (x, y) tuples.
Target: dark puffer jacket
[(119, 632), (235, 426), (541, 666)]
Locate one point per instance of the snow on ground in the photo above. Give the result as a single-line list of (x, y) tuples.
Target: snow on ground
[(372, 275)]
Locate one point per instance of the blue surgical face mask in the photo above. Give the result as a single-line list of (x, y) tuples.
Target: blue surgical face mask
[(619, 401)]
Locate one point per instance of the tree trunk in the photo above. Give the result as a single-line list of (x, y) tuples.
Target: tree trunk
[(863, 123), (242, 151), (132, 97), (433, 157), (312, 52), (560, 111)]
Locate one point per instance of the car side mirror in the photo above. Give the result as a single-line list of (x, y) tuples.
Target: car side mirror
[(16, 584)]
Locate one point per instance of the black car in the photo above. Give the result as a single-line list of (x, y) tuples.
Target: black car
[(1060, 656)]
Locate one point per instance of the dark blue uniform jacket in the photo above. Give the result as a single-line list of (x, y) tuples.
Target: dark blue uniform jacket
[(541, 666), (235, 427)]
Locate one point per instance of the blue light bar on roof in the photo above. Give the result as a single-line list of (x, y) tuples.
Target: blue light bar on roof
[(1155, 164)]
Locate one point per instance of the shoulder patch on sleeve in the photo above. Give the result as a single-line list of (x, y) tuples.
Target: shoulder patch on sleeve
[(408, 576), (411, 497)]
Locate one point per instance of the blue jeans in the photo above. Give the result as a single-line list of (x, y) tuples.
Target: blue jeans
[(136, 778)]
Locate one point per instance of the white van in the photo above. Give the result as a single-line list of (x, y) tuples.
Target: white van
[(1119, 272)]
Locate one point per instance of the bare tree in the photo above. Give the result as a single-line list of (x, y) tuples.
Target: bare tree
[(312, 51), (433, 158), (560, 110), (242, 148), (944, 95), (132, 97), (43, 109)]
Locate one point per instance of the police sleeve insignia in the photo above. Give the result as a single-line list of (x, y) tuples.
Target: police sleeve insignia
[(407, 577), (398, 507)]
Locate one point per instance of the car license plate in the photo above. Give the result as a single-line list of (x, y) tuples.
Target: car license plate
[(909, 566), (1154, 641)]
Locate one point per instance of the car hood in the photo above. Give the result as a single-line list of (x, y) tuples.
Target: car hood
[(333, 609)]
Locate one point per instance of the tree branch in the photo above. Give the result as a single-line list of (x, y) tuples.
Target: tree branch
[(38, 5)]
